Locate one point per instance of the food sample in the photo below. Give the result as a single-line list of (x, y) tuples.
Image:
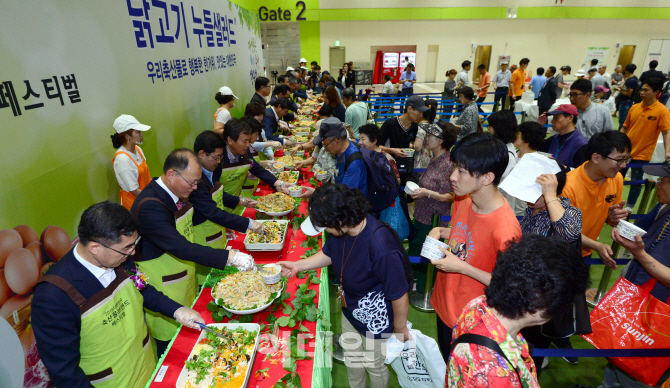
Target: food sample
[(305, 123), (300, 139), (288, 160), (269, 270), (221, 362), (245, 291), (273, 233), (275, 203), (288, 176)]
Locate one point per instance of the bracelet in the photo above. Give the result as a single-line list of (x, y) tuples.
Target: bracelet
[(555, 199)]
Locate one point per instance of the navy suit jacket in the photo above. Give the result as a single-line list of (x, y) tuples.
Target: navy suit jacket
[(256, 169), (204, 207), (56, 319), (259, 99), (288, 116), (158, 229), (270, 125), (547, 96)]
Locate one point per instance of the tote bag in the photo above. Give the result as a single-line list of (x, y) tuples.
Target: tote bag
[(628, 317)]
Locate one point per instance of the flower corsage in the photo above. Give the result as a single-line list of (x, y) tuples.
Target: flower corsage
[(140, 279)]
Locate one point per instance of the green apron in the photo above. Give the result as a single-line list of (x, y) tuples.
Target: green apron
[(210, 234), (172, 276), (115, 348), (232, 178)]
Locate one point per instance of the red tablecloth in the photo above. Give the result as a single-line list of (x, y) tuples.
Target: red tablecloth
[(186, 338)]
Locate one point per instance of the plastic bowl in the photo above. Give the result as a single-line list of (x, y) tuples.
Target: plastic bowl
[(629, 231), (275, 277), (278, 166), (300, 153), (411, 187), (322, 175), (295, 191), (409, 152)]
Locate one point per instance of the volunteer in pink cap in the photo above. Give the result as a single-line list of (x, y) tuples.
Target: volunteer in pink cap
[(226, 100), (130, 165), (565, 146)]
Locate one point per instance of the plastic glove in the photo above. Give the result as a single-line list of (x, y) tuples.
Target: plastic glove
[(256, 227), (242, 261), (188, 317)]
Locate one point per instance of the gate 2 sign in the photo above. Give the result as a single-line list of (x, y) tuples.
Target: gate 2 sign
[(264, 14)]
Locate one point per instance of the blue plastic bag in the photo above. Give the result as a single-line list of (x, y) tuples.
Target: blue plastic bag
[(395, 216)]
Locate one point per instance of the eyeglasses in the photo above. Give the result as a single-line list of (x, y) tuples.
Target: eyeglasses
[(125, 255), (215, 157), (326, 145), (575, 94), (189, 183), (620, 162)]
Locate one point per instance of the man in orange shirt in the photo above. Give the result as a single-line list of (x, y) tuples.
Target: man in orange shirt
[(482, 224), (484, 83), (518, 82), (643, 124)]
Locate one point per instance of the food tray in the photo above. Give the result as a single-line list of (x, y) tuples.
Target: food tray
[(183, 376), (251, 311), (267, 246), (295, 174)]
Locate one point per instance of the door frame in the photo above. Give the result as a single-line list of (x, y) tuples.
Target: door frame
[(330, 59)]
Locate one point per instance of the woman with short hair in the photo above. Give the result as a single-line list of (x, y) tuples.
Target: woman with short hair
[(468, 121)]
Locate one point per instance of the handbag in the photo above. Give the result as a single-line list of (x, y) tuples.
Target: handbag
[(414, 361), (628, 317)]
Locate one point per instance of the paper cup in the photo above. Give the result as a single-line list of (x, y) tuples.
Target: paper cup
[(300, 153), (435, 243), (271, 279), (409, 152), (411, 187), (295, 191), (629, 230), (322, 175), (431, 252)]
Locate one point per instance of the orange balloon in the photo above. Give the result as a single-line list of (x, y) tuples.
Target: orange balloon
[(5, 291), (56, 242), (21, 271), (10, 240), (36, 248), (27, 233)]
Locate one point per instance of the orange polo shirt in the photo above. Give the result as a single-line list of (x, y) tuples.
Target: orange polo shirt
[(519, 79), (484, 80), (644, 124), (593, 199)]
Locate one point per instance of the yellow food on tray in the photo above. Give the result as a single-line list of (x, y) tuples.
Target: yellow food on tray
[(275, 203), (300, 139), (288, 160), (305, 123), (288, 176), (273, 233), (244, 291), (221, 362)]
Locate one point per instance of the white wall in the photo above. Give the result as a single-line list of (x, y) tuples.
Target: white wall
[(546, 42)]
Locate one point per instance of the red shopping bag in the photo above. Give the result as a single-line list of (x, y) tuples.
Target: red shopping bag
[(628, 317)]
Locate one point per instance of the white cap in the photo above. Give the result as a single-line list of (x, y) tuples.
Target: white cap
[(127, 122), (580, 73), (309, 229), (304, 68), (226, 91), (289, 68), (303, 60), (504, 63)]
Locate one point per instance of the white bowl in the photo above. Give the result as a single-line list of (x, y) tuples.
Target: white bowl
[(629, 231), (322, 175), (295, 193), (271, 279), (431, 252), (409, 152), (435, 243), (278, 169), (411, 187), (300, 153)]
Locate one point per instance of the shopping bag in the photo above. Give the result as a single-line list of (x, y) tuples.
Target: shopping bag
[(418, 363), (628, 317), (394, 215)]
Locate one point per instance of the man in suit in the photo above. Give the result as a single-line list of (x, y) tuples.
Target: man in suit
[(271, 122), (87, 312), (547, 96), (280, 91), (262, 86), (168, 252)]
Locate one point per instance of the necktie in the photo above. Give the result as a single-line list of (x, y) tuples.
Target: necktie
[(180, 204)]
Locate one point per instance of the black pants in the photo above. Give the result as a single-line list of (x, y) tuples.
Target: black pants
[(444, 333), (500, 98), (479, 101), (161, 347), (408, 91), (512, 100)]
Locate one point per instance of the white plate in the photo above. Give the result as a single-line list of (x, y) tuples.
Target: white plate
[(267, 246), (253, 311), (183, 376)]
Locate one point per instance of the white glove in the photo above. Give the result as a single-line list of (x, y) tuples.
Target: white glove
[(188, 317), (283, 124), (242, 261)]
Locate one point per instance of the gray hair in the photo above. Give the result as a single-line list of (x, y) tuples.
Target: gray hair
[(292, 80), (349, 93), (619, 67), (603, 66)]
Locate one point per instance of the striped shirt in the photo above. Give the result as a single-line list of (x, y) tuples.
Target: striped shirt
[(568, 227)]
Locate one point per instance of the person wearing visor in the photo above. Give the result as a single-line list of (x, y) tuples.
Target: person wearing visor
[(167, 252), (226, 100), (350, 169), (564, 146), (130, 165), (368, 264), (88, 310)]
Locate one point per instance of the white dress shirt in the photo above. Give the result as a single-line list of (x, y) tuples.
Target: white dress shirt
[(104, 275), (161, 184)]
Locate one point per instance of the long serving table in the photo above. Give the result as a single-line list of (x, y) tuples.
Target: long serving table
[(315, 372)]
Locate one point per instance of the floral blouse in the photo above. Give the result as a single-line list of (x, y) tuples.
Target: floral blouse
[(421, 159), (436, 178), (468, 120)]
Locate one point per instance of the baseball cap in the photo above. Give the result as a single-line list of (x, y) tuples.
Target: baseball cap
[(330, 127), (303, 60), (309, 229), (601, 89), (504, 63), (564, 109), (226, 91), (127, 122), (580, 73), (416, 102), (289, 68), (662, 170)]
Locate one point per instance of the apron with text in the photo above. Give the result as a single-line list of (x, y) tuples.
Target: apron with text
[(172, 276), (210, 234), (232, 178), (143, 179), (115, 348)]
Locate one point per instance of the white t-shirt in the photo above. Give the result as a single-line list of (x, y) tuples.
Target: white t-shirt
[(126, 171), (223, 115)]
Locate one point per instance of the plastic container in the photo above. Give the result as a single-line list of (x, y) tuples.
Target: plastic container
[(275, 277), (300, 153), (268, 246), (411, 187), (431, 252), (409, 152), (322, 175), (278, 167), (629, 231), (295, 191)]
